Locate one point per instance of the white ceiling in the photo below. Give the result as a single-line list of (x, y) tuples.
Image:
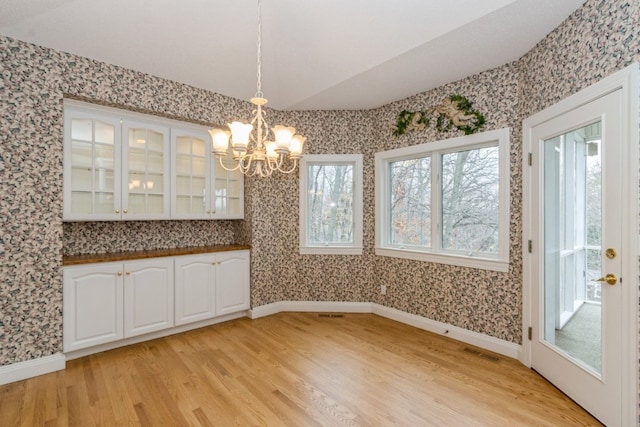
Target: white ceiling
[(317, 54)]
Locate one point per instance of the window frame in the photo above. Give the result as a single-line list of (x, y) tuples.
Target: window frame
[(356, 160), (435, 150)]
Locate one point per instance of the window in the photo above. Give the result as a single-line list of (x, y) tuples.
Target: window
[(331, 204), (446, 201)]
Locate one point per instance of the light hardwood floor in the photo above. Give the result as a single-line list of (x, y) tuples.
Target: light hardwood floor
[(295, 369)]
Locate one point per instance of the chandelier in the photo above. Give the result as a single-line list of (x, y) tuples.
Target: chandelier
[(252, 150)]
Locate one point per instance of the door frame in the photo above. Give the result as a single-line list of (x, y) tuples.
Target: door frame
[(626, 80)]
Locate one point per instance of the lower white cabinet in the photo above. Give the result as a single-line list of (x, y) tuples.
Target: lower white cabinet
[(111, 301), (232, 282), (210, 285), (92, 310), (107, 302), (195, 288), (148, 296)]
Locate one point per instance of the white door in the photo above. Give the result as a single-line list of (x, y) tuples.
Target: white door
[(195, 288), (145, 169), (576, 224), (232, 282), (148, 296), (92, 308)]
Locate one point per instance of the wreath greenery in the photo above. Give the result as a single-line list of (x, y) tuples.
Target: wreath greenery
[(455, 111), (411, 120)]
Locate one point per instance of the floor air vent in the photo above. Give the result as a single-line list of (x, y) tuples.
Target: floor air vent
[(481, 354), (330, 315)]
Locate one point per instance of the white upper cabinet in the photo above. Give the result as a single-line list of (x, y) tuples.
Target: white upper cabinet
[(201, 188), (191, 178), (229, 192), (120, 165), (92, 172), (146, 173)]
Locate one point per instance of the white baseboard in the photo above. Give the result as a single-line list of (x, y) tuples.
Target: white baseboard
[(31, 368), (309, 306), (486, 342)]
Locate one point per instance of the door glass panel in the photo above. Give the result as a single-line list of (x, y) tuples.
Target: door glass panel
[(156, 141), (183, 145), (81, 154), (103, 180), (81, 179), (183, 165), (155, 203), (105, 133), (104, 203), (137, 204), (572, 223), (81, 202), (197, 205), (137, 160), (154, 184), (82, 129), (156, 162)]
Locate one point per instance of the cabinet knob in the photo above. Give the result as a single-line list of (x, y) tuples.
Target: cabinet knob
[(119, 273), (124, 210), (117, 210), (128, 273)]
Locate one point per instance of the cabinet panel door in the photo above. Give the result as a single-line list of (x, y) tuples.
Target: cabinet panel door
[(232, 282), (190, 174), (148, 296), (92, 172), (195, 288), (145, 165), (92, 305)]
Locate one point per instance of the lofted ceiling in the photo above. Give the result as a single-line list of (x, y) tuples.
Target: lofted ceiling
[(316, 54)]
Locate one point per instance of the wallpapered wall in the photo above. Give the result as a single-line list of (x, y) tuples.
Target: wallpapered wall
[(482, 301), (599, 38), (33, 82)]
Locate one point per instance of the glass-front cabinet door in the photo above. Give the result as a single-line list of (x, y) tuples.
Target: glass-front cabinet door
[(229, 191), (201, 188), (120, 165), (146, 162), (191, 178), (91, 166)]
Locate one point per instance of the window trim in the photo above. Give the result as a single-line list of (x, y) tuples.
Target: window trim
[(356, 160), (499, 262)]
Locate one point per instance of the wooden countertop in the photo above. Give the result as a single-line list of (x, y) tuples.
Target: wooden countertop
[(157, 253)]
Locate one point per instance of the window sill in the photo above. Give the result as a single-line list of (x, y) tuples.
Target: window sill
[(330, 250), (476, 262)]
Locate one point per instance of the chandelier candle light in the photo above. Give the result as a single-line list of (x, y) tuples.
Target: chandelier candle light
[(253, 153)]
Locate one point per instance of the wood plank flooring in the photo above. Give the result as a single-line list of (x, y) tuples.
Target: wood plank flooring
[(292, 369)]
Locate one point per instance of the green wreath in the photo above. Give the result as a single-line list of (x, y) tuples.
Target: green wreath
[(454, 112)]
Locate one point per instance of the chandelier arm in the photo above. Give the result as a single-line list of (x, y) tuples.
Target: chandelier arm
[(226, 168), (293, 168), (245, 163)]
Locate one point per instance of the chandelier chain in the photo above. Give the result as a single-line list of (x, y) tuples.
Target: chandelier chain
[(259, 93)]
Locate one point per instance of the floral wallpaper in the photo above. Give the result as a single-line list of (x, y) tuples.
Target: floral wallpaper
[(33, 84), (598, 39)]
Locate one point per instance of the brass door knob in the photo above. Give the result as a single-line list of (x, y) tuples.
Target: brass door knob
[(609, 279)]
